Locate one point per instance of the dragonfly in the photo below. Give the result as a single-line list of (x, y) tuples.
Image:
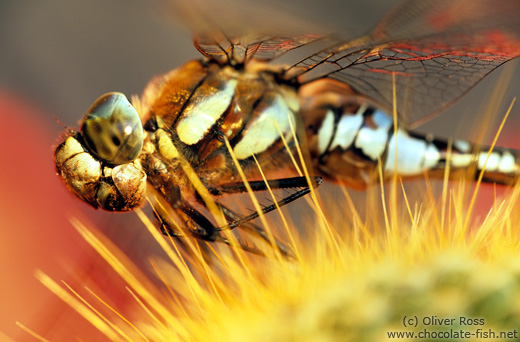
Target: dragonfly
[(236, 110)]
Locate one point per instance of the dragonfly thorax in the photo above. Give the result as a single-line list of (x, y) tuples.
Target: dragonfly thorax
[(203, 103), (199, 106)]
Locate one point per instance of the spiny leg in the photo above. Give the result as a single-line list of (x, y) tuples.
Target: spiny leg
[(208, 232), (283, 183), (233, 217)]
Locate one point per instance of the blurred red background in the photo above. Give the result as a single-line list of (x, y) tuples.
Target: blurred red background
[(35, 232)]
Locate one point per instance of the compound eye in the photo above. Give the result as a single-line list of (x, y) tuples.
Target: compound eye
[(113, 130)]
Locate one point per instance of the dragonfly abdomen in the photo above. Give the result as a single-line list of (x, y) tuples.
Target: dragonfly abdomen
[(350, 142), (347, 143), (499, 165)]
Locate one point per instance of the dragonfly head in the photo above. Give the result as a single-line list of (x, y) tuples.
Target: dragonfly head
[(99, 164)]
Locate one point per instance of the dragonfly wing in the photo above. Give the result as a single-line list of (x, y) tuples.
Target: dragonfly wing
[(436, 50), (232, 50), (235, 31)]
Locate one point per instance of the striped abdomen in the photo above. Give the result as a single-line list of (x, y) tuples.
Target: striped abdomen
[(349, 142)]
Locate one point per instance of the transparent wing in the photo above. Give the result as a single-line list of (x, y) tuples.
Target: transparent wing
[(436, 50), (225, 49), (236, 31)]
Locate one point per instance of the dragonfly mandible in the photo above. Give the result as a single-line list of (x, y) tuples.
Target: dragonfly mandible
[(236, 102)]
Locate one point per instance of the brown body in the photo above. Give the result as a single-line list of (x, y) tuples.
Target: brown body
[(169, 104)]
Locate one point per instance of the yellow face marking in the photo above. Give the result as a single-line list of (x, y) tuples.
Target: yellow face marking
[(78, 169)]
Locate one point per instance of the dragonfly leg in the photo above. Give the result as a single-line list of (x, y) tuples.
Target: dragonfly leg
[(207, 231), (203, 228), (200, 227), (283, 183), (165, 226), (233, 217), (260, 186)]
